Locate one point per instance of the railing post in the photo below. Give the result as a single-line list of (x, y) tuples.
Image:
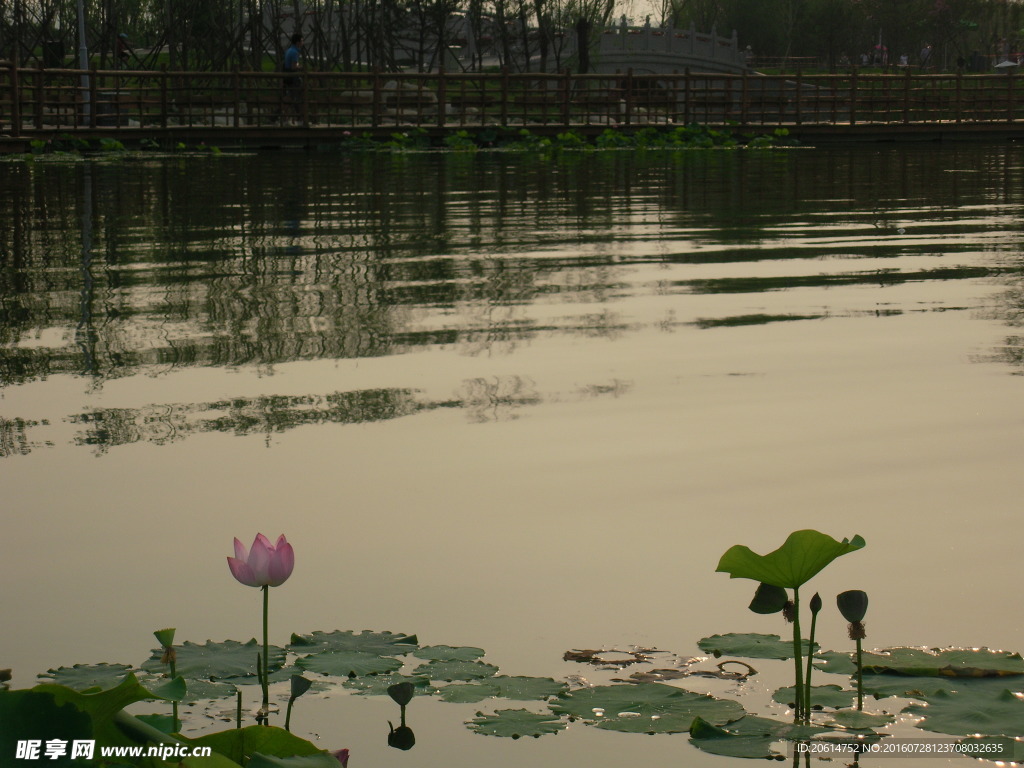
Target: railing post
[(15, 101), (1009, 96), (376, 113), (92, 98), (39, 99), (504, 97), (442, 96), (959, 95), (744, 96), (687, 96), (799, 96), (853, 96), (566, 90), (164, 106), (628, 117), (237, 91), (906, 97)]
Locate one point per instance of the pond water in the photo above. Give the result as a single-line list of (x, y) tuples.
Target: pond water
[(510, 401)]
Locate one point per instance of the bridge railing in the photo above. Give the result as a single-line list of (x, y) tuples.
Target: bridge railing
[(41, 101)]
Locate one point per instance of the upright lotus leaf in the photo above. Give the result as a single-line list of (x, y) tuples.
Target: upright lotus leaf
[(768, 599), (227, 660), (38, 716), (241, 744), (790, 566), (515, 723)]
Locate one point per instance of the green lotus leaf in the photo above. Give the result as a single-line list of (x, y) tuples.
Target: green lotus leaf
[(751, 645), (349, 663), (857, 720), (670, 723), (1001, 748), (227, 660), (448, 653), (455, 670), (963, 713), (768, 599), (906, 686), (644, 700), (200, 690), (803, 555), (377, 643), (84, 676), (241, 744), (749, 737), (163, 723), (502, 687), (919, 662), (378, 684), (38, 716), (515, 723), (821, 696), (320, 760)]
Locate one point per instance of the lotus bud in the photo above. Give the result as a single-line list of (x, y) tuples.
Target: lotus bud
[(853, 605), (341, 755), (815, 603), (401, 693)]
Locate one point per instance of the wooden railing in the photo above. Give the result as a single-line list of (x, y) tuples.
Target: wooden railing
[(39, 101)]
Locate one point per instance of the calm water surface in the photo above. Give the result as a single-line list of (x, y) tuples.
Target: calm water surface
[(511, 402)]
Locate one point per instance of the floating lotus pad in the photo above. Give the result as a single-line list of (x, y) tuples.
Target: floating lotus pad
[(455, 670), (379, 643), (751, 645), (950, 662), (515, 723), (226, 660), (349, 663), (448, 653), (965, 713), (749, 737), (821, 696), (377, 685), (518, 688), (83, 676), (607, 702), (856, 720)]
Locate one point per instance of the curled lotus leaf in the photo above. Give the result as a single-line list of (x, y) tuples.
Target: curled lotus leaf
[(964, 713), (857, 720), (750, 645), (644, 700), (448, 653), (379, 643), (349, 663), (455, 670), (84, 676), (515, 723), (225, 660), (801, 557)]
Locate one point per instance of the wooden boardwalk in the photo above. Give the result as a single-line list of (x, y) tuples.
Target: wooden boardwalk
[(249, 109)]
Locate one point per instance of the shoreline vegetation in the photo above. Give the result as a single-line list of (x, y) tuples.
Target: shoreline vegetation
[(418, 139)]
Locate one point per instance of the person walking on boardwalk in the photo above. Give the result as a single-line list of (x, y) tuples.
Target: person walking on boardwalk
[(292, 85)]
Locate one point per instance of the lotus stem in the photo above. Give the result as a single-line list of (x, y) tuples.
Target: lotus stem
[(238, 710), (860, 678), (797, 658), (288, 716), (266, 653), (815, 606)]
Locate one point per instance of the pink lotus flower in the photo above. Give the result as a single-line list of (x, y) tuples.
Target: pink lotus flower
[(265, 564), (341, 755)]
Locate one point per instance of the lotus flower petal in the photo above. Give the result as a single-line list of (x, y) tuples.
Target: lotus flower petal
[(264, 564)]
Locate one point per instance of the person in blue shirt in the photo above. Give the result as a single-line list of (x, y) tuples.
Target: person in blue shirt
[(292, 81)]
